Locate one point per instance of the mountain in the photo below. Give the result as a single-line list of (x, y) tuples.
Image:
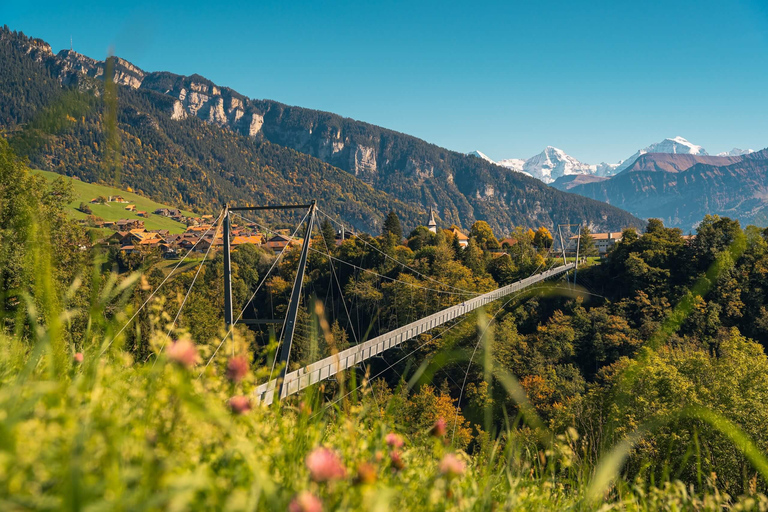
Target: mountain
[(481, 156), (675, 145), (736, 152), (681, 189), (554, 163), (573, 180), (188, 141)]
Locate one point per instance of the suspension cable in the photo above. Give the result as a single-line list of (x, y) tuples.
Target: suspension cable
[(158, 287)]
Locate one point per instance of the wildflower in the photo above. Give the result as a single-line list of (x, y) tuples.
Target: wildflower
[(78, 357), (240, 404), (394, 440), (366, 473), (325, 465), (396, 460), (305, 501), (451, 465), (237, 368), (183, 352), (438, 430)]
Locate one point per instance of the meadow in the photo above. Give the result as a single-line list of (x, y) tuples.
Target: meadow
[(84, 192)]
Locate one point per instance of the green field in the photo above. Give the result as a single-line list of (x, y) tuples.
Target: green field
[(84, 192)]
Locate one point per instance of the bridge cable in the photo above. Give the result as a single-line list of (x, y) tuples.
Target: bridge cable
[(409, 354), (157, 288), (396, 260), (263, 280), (183, 302), (372, 271)]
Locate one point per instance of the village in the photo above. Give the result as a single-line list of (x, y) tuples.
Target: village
[(201, 236)]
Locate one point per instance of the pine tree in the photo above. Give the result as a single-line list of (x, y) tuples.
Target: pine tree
[(587, 243), (392, 226), (329, 234)]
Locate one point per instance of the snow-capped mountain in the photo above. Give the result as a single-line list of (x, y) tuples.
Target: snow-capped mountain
[(552, 163), (516, 164), (482, 156), (674, 145), (736, 152)]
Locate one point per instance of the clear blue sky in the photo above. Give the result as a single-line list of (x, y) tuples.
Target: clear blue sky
[(599, 79)]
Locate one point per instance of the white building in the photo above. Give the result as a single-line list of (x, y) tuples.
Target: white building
[(603, 242)]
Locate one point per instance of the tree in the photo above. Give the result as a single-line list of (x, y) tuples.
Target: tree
[(587, 243), (85, 208), (329, 234), (392, 227), (543, 238), (483, 235)]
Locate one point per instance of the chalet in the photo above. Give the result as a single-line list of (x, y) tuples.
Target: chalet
[(202, 228), (117, 199), (247, 240), (164, 233), (142, 213), (167, 212), (129, 224), (280, 242)]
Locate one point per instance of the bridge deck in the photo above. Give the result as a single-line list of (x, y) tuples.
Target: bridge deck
[(323, 369)]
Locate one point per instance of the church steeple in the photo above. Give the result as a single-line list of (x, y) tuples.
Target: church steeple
[(432, 225)]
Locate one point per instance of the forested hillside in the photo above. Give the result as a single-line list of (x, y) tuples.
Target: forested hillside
[(185, 140)]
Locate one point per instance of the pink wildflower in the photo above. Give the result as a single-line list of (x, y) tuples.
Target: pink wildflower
[(78, 357), (439, 429), (240, 404), (394, 440), (305, 501), (397, 460), (237, 368), (183, 352), (451, 465), (324, 465)]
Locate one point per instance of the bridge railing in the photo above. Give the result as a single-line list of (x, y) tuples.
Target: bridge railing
[(325, 368)]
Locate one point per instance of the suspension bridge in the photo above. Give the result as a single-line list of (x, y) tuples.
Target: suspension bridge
[(287, 382)]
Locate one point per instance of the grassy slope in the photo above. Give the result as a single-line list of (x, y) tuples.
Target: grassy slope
[(84, 192)]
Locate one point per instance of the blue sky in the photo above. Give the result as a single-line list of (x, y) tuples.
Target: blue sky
[(598, 79)]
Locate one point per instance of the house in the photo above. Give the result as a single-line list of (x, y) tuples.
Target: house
[(117, 199), (604, 242), (279, 242), (167, 212), (247, 240), (129, 224), (455, 232), (509, 242), (131, 207), (141, 213)]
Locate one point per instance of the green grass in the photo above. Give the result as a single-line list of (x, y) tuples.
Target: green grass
[(84, 192)]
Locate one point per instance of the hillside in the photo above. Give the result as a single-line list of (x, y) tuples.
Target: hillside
[(186, 140), (84, 192), (681, 189)]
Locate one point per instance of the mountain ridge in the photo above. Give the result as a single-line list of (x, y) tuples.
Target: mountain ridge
[(462, 189)]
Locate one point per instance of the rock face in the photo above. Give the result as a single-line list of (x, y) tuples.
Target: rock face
[(680, 188)]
